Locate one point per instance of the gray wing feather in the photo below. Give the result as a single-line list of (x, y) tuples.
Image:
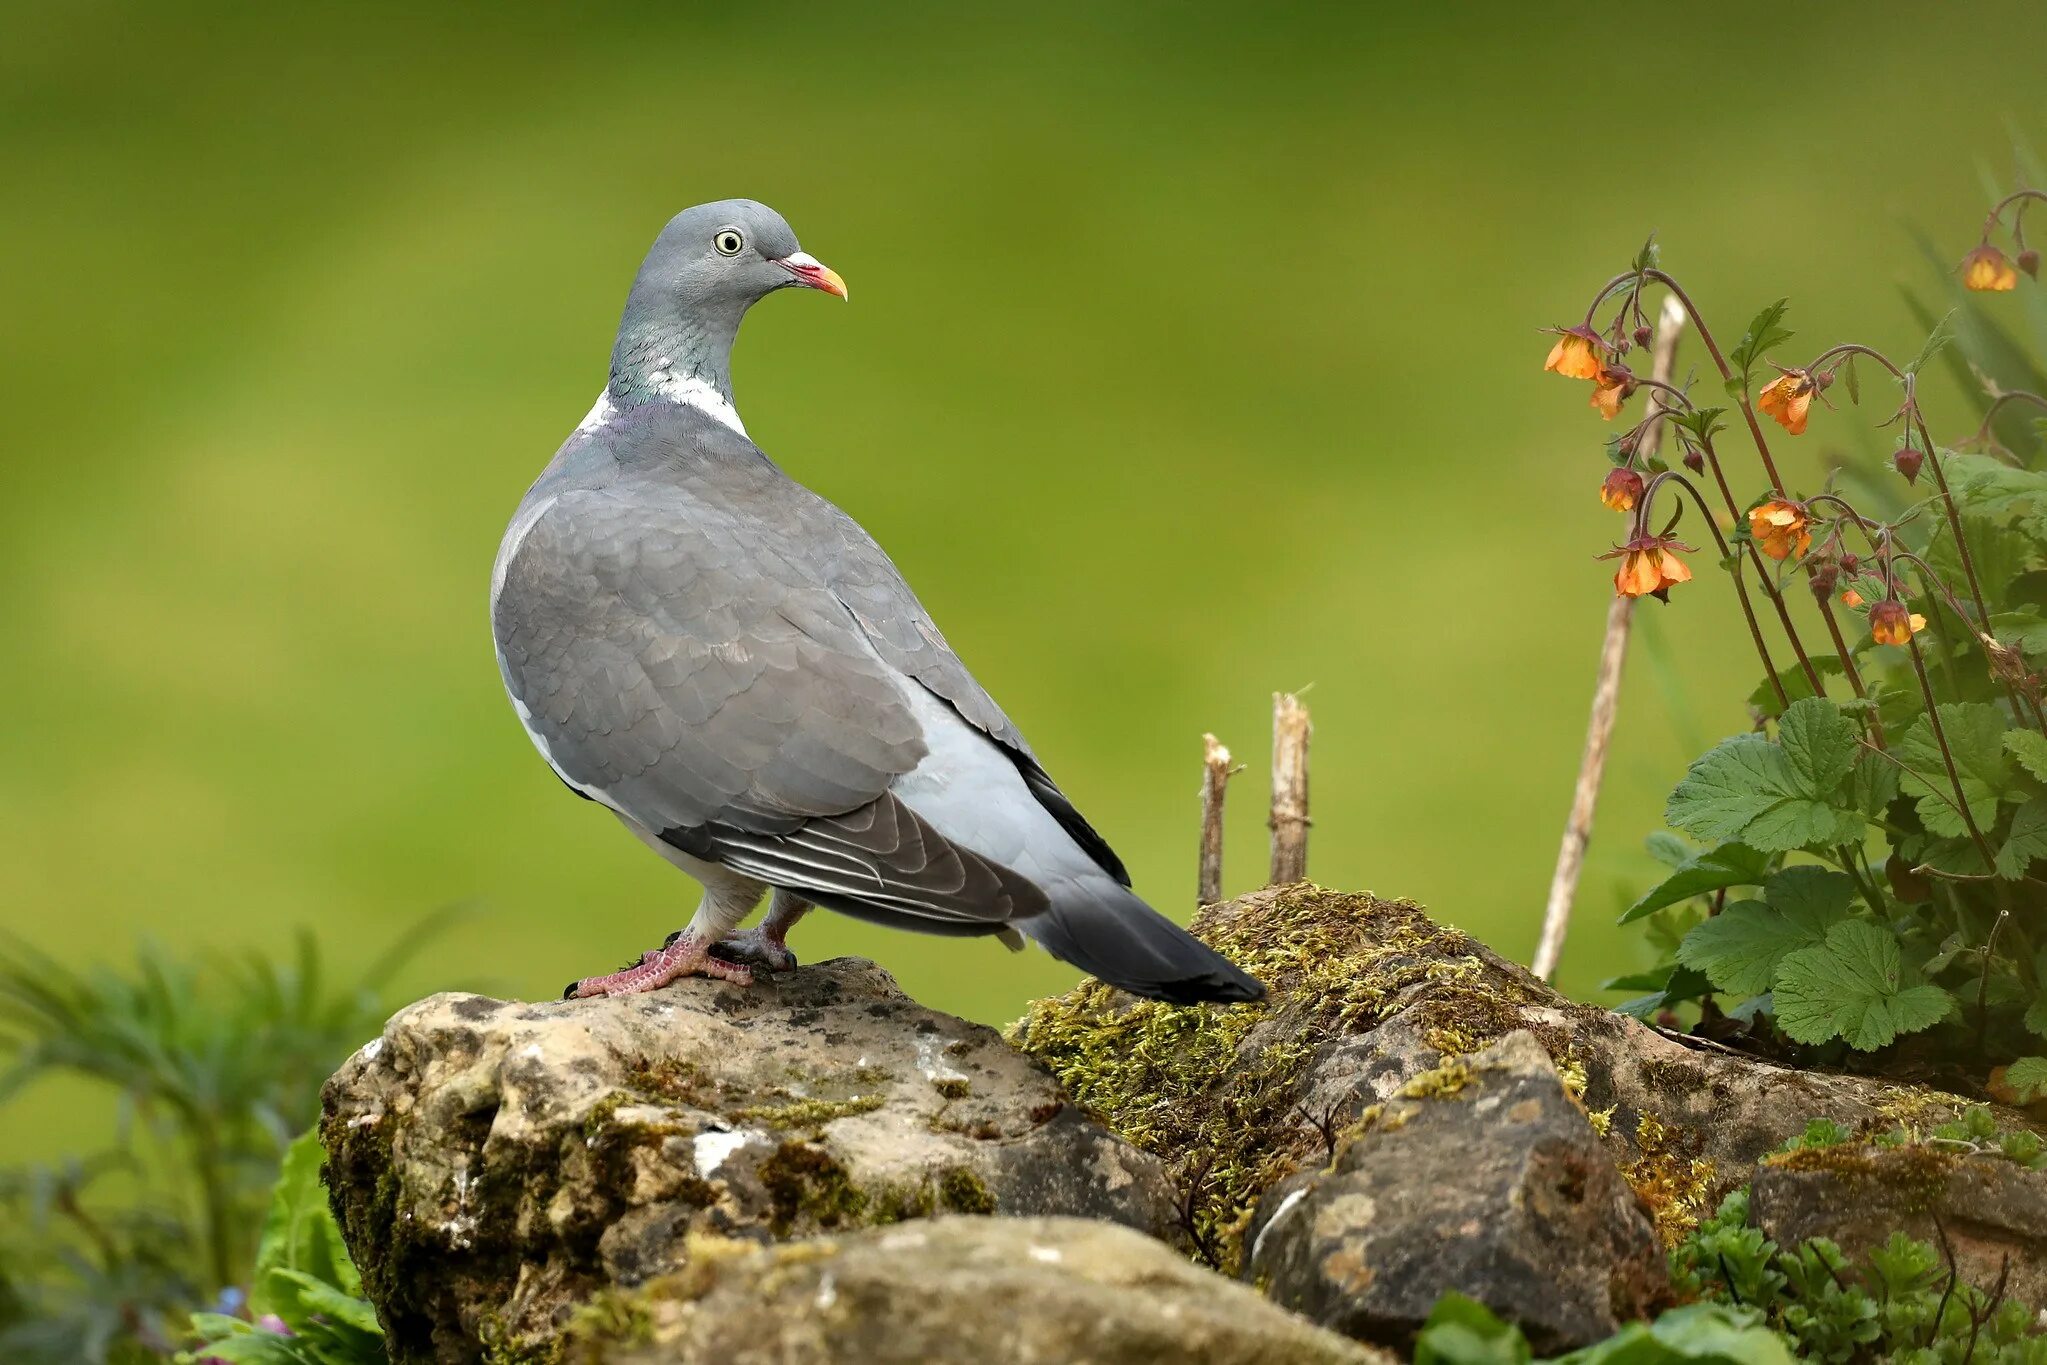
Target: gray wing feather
[(906, 638), (740, 715)]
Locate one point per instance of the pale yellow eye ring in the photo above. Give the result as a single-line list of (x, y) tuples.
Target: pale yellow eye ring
[(729, 242)]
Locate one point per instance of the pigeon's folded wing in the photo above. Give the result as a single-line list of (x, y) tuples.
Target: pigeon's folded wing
[(672, 663), (906, 637)]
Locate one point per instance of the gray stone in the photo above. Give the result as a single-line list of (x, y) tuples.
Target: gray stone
[(952, 1291), (1990, 1214), (1482, 1177), (493, 1163)]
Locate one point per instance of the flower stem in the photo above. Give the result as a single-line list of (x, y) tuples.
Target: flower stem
[(1947, 757), (1748, 411)]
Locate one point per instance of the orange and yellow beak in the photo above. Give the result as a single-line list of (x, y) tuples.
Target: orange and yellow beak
[(810, 271)]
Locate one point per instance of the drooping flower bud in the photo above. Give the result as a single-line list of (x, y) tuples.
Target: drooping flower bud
[(1988, 269), (1642, 333), (1822, 575), (1622, 490), (1695, 460), (2029, 261), (1906, 461), (1891, 624)]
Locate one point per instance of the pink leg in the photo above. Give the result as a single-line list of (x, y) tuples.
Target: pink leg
[(685, 954), (767, 944)]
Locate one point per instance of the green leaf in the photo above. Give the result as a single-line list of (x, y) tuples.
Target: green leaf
[(1936, 341), (1852, 986), (1873, 785), (2029, 747), (299, 1233), (1746, 789), (2028, 1076), (314, 1298), (1820, 743), (1739, 948), (1463, 1331), (1975, 733), (2027, 840), (1713, 869), (1764, 333)]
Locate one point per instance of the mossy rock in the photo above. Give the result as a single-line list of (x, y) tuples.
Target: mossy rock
[(1366, 995), (495, 1164)]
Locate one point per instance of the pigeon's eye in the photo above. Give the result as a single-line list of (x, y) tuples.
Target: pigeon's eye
[(728, 241)]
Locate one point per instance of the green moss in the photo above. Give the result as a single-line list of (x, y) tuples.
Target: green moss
[(1173, 1080), (1670, 1177), (808, 1114), (953, 1087), (963, 1192), (804, 1181)]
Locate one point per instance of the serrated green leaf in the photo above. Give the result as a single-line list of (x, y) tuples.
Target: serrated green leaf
[(1712, 869), (2026, 841), (1746, 789), (1739, 948), (2029, 747), (1873, 785), (2028, 1076), (2036, 1013), (1975, 733), (1852, 986), (1820, 743)]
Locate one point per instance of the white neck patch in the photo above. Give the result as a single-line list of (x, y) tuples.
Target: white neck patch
[(685, 389)]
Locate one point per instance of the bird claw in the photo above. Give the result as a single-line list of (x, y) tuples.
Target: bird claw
[(752, 947), (680, 956)]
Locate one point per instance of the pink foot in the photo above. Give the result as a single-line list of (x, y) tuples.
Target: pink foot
[(683, 955)]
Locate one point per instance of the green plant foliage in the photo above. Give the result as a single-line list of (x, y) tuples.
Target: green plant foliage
[(1871, 860), (1904, 1303), (1461, 1331), (217, 1061), (306, 1297)]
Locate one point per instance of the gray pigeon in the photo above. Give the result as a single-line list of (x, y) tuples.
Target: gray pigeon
[(734, 668)]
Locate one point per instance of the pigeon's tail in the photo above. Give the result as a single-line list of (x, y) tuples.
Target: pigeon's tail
[(1109, 933)]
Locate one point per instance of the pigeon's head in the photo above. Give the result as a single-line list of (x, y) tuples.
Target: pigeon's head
[(722, 257)]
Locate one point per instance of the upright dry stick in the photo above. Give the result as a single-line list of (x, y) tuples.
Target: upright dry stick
[(1289, 821), (1215, 776), (1606, 696)]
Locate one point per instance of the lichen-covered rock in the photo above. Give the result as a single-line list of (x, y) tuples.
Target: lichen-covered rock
[(1365, 995), (1483, 1177), (950, 1291), (1989, 1213), (493, 1163)]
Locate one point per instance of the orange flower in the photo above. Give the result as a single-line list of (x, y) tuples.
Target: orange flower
[(1851, 597), (1622, 490), (1787, 398), (1649, 567), (1987, 268), (1891, 624), (1576, 354), (1611, 388), (1779, 528)]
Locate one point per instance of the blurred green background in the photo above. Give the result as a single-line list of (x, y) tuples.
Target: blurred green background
[(1192, 353)]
